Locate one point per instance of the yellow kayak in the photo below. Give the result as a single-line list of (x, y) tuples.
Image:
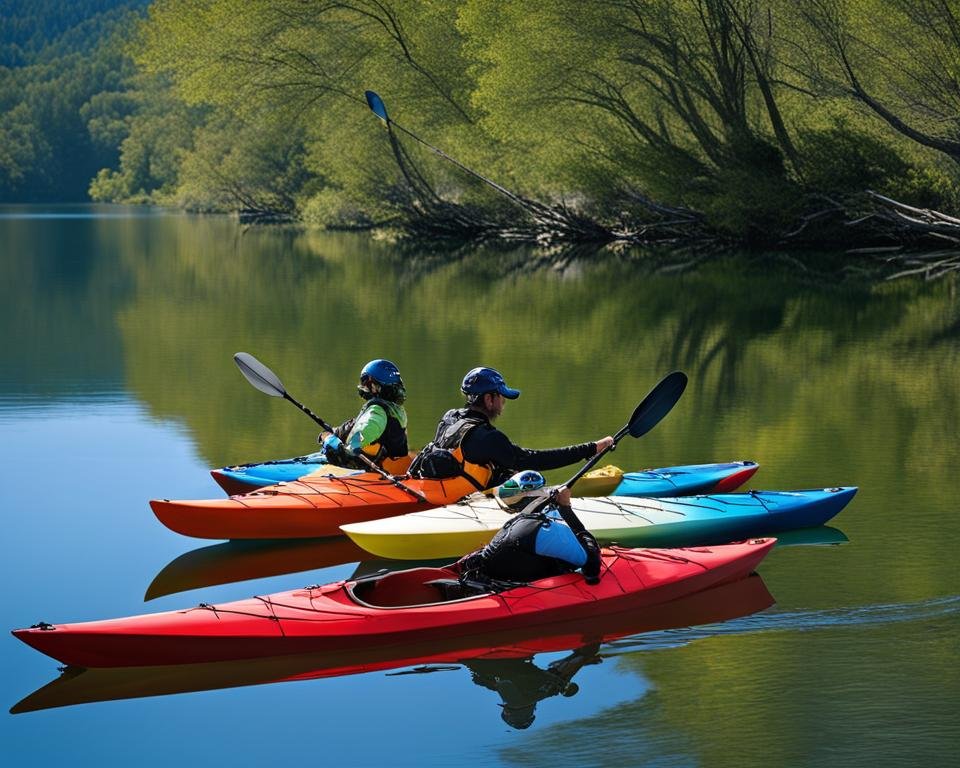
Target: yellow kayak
[(687, 521)]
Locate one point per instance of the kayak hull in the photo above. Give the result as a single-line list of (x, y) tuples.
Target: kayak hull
[(457, 529), (239, 480), (246, 478), (404, 606), (685, 480), (605, 481), (309, 508), (713, 605), (317, 505)]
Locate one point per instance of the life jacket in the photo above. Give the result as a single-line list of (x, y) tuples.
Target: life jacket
[(392, 443), (511, 554), (443, 457)]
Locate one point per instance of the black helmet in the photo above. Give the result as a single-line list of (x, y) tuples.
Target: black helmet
[(519, 717)]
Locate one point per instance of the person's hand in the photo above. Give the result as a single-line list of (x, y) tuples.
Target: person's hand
[(563, 496), (332, 444), (604, 443), (333, 449)]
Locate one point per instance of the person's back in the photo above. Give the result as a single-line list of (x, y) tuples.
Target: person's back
[(379, 430), (543, 538), (467, 443)]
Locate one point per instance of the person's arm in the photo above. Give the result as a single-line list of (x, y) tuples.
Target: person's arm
[(491, 446), (367, 428), (590, 568), (566, 510), (344, 429)]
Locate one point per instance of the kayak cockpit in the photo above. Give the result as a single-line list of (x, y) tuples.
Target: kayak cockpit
[(416, 586)]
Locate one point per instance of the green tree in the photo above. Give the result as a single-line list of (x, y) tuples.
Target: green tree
[(898, 59)]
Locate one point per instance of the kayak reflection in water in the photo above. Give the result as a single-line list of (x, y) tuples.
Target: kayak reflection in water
[(522, 684), (544, 538), (380, 429), (468, 445)]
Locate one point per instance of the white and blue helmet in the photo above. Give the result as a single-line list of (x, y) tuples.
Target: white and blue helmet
[(521, 489)]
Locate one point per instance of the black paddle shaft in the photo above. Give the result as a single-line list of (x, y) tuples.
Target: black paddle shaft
[(370, 464), (309, 413), (269, 383), (651, 410)]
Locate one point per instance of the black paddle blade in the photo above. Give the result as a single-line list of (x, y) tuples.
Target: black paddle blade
[(646, 416), (259, 375), (657, 404)]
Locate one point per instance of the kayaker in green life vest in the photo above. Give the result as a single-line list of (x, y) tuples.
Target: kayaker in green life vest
[(468, 445), (379, 431)]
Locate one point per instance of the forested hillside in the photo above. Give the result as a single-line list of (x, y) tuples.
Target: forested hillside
[(755, 121), (63, 82)]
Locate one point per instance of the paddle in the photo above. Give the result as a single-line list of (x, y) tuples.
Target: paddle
[(380, 110), (269, 383), (657, 404)]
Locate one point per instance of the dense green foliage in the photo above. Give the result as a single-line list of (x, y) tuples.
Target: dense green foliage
[(750, 113), (63, 95)]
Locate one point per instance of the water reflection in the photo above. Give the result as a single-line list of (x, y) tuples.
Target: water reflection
[(235, 561), (823, 383), (504, 661), (521, 684)]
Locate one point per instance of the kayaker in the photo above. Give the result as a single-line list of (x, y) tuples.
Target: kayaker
[(544, 538), (379, 431), (467, 443)]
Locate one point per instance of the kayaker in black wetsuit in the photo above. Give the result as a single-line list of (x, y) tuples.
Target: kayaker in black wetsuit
[(468, 444), (544, 538), (379, 431)]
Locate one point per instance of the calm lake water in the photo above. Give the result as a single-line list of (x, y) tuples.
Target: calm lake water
[(118, 386)]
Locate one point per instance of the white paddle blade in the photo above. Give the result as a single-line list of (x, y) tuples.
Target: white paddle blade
[(259, 375)]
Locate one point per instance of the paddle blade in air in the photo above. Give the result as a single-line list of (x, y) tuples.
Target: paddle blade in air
[(259, 375), (377, 106), (658, 403)]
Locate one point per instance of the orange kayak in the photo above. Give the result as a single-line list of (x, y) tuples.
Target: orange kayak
[(307, 508)]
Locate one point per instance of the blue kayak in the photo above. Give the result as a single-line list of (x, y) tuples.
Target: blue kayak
[(665, 481), (244, 478), (686, 480)]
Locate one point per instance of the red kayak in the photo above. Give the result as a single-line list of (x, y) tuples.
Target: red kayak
[(716, 604), (399, 607)]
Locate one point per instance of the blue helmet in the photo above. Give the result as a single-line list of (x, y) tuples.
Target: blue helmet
[(480, 381), (387, 376), (381, 371)]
